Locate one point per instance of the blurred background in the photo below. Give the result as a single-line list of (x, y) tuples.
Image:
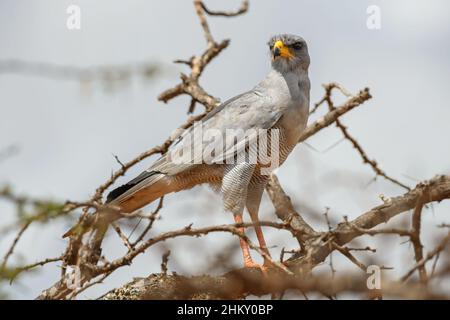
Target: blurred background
[(59, 132)]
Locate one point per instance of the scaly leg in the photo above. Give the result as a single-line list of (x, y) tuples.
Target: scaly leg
[(253, 201), (248, 261), (260, 236)]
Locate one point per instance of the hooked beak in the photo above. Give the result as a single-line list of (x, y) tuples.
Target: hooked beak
[(281, 50)]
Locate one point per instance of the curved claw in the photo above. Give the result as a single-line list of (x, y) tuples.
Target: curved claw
[(263, 267)]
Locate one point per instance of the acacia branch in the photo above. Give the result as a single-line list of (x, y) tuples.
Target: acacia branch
[(415, 237), (316, 250), (286, 212), (108, 75), (241, 283), (437, 189), (243, 8), (432, 254), (190, 83)]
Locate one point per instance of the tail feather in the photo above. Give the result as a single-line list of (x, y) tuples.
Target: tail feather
[(129, 197), (144, 189), (125, 188)]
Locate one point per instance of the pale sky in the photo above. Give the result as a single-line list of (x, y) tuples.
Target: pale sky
[(66, 134)]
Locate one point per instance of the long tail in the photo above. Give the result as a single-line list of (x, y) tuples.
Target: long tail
[(142, 190)]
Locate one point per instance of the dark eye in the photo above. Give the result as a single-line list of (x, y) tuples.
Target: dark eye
[(297, 45)]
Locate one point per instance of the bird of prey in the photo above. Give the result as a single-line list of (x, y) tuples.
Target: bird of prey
[(279, 102)]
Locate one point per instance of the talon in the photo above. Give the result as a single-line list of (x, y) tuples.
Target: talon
[(264, 267)]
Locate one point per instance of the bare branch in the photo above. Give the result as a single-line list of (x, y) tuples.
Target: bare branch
[(285, 210), (439, 248), (241, 10), (13, 245), (353, 141), (243, 282), (106, 74), (331, 116), (415, 237)]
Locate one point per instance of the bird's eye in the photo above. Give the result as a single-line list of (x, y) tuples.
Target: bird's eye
[(297, 45)]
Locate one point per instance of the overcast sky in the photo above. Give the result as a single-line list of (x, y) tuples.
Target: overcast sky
[(66, 133)]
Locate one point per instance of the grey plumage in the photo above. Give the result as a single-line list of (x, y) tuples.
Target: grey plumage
[(280, 101)]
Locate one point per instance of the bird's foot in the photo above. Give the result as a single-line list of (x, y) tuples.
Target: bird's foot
[(264, 268)]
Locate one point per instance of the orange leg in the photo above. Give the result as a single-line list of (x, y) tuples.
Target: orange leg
[(248, 261), (261, 240)]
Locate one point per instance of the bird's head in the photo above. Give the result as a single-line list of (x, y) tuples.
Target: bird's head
[(289, 52)]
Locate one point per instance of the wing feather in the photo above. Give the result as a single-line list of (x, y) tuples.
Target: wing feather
[(250, 110)]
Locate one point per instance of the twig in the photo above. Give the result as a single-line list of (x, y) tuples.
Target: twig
[(152, 219), (125, 240), (415, 238), (165, 261), (106, 74), (74, 293), (331, 116), (440, 247), (14, 243), (393, 231), (331, 263), (199, 9), (346, 252), (189, 83), (242, 9), (353, 141), (19, 270)]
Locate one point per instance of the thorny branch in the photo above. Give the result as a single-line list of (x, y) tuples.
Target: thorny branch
[(241, 10), (415, 236), (109, 76), (238, 284), (327, 98)]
